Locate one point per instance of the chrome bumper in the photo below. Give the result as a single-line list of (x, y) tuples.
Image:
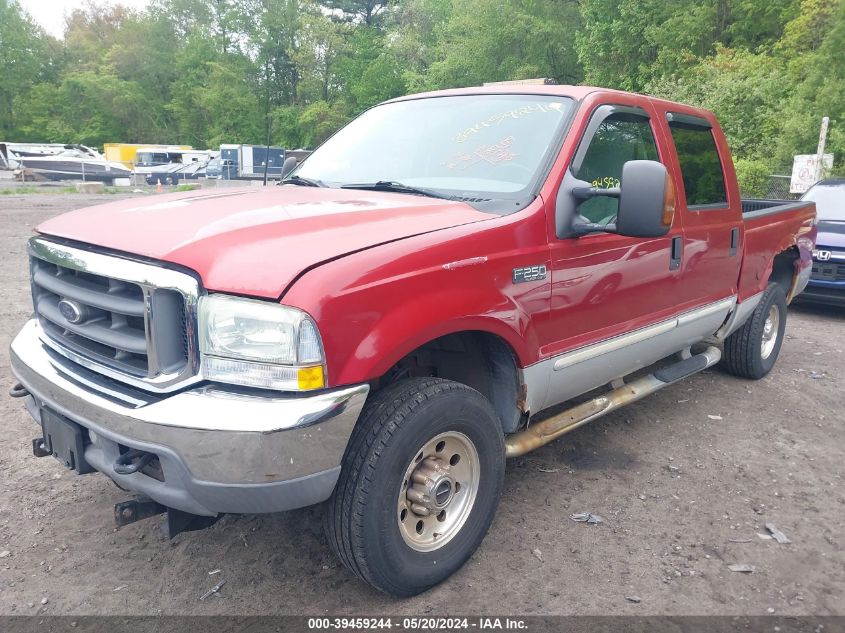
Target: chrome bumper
[(220, 451), (800, 282)]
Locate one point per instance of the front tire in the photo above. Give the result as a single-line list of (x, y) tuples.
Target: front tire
[(752, 350), (419, 486)]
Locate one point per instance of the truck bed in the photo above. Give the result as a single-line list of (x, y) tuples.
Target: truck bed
[(757, 207), (772, 227)]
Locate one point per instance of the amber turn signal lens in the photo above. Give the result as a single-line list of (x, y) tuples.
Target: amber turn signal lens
[(668, 201), (310, 378)]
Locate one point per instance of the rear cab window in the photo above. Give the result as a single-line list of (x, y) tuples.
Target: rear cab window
[(701, 166)]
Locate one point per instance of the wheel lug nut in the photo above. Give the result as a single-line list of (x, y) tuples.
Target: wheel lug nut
[(420, 510)]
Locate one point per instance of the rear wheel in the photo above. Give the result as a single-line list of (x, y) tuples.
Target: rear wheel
[(419, 485), (752, 350)]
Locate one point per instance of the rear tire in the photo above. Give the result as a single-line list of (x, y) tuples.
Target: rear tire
[(419, 436), (752, 350)]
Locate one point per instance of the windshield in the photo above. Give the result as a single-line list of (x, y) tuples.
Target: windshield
[(471, 146), (830, 201)]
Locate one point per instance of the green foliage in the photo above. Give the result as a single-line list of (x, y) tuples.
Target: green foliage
[(753, 176), (629, 43), (367, 11), (204, 73), (318, 121), (371, 75), (744, 90), (88, 108), (28, 189), (818, 76), (17, 191), (23, 58), (230, 105), (496, 40)]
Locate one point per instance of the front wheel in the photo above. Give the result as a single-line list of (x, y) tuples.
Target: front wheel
[(419, 485), (752, 350)]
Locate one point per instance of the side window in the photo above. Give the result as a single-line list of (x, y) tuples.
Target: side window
[(620, 137), (704, 181)]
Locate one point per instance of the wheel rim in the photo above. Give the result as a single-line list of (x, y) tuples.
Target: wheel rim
[(438, 491), (770, 332)]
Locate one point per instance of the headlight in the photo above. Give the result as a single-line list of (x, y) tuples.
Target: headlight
[(259, 344)]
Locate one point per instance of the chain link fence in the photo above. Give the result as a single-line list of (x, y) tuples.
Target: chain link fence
[(778, 188)]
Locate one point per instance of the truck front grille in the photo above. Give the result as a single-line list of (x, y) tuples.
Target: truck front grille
[(828, 271), (127, 319)]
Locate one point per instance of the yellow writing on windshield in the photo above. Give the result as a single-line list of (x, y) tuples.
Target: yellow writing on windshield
[(492, 154), (606, 182), (516, 113)]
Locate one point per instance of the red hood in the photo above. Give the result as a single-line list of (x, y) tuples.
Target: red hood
[(256, 241)]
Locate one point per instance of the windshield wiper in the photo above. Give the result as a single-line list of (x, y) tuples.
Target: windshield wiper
[(398, 187), (303, 182)]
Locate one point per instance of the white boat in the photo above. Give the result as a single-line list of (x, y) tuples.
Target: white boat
[(73, 162)]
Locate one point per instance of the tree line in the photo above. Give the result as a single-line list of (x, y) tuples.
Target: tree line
[(205, 72)]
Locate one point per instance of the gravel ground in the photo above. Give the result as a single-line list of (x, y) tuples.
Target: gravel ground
[(685, 481)]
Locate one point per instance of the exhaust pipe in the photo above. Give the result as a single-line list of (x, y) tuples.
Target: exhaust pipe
[(537, 435)]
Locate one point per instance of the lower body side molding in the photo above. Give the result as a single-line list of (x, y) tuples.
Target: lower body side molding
[(542, 433)]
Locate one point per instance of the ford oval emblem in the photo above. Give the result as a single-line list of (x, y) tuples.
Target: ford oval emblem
[(70, 310)]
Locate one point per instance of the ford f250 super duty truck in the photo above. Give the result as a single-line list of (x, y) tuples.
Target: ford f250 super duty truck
[(380, 332)]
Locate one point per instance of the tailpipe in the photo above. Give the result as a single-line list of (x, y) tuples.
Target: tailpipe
[(537, 435)]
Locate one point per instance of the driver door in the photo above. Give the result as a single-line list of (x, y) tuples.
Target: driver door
[(606, 285)]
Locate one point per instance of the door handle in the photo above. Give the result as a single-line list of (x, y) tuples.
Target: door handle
[(734, 242), (677, 253)]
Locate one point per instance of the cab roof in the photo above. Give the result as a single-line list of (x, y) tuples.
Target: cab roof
[(574, 92)]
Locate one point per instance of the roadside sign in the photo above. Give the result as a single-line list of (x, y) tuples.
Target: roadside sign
[(804, 171)]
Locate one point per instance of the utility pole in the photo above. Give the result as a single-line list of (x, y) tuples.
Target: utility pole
[(820, 150)]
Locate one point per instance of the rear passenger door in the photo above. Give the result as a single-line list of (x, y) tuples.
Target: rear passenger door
[(713, 230)]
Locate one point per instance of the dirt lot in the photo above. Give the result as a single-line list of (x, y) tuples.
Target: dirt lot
[(685, 481)]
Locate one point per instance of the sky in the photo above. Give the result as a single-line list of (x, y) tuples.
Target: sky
[(51, 13)]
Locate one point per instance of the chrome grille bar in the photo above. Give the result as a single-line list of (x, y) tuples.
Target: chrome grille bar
[(139, 319), (121, 337), (122, 301)]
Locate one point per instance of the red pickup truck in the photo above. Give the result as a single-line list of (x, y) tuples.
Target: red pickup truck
[(381, 331)]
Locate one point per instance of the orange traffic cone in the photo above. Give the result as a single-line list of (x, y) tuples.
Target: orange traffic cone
[(158, 186)]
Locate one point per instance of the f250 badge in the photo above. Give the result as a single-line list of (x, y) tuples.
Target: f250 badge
[(529, 273)]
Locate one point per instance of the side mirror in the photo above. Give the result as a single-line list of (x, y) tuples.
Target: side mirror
[(288, 165), (646, 201)]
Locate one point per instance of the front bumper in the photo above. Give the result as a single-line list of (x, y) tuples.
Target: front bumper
[(823, 291), (220, 450)]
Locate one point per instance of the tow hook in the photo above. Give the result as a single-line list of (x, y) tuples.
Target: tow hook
[(18, 391), (126, 464), (141, 507), (39, 448), (127, 512)]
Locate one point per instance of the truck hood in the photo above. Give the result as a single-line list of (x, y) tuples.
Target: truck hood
[(831, 234), (257, 241)]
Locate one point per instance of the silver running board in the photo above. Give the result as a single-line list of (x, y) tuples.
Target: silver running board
[(537, 435)]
